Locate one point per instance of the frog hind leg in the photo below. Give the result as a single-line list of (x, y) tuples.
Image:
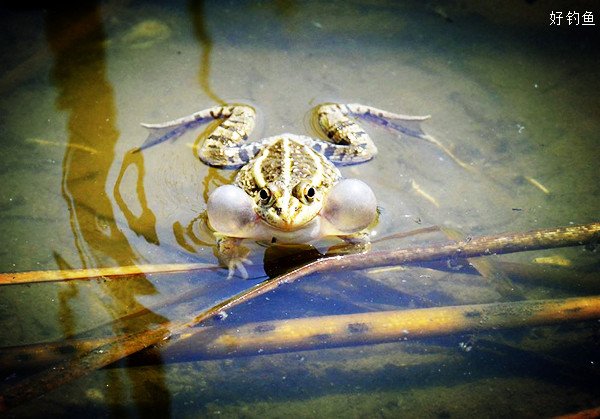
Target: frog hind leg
[(238, 123), (350, 144), (224, 146), (404, 124)]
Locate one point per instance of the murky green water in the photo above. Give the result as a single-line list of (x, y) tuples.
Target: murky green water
[(516, 99)]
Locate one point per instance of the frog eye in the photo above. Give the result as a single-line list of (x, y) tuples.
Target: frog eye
[(266, 197), (305, 192)]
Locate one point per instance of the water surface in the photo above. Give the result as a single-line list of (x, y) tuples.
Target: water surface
[(513, 97)]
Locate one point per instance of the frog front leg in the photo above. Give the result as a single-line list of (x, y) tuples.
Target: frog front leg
[(232, 255)]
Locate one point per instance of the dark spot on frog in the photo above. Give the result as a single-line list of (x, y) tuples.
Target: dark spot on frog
[(472, 314), (358, 327), (263, 328)]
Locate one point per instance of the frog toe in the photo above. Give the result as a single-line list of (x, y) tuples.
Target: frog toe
[(238, 265)]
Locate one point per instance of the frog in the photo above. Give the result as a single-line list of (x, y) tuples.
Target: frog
[(288, 188)]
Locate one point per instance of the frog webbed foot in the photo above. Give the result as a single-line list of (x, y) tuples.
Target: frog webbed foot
[(360, 242), (234, 256), (234, 264), (357, 243)]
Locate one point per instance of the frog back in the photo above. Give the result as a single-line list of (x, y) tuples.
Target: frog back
[(286, 160)]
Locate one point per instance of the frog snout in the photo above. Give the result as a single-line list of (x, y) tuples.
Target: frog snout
[(291, 214), (288, 217)]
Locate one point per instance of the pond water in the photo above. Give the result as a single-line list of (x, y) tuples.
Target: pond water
[(512, 97)]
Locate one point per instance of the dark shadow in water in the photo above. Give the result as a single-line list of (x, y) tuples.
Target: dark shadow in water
[(196, 9), (76, 40)]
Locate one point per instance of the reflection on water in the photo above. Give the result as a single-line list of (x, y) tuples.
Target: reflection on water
[(79, 73), (513, 99), (145, 223), (197, 14)]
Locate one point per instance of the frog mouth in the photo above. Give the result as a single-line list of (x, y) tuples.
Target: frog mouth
[(289, 226), (298, 234), (292, 225)]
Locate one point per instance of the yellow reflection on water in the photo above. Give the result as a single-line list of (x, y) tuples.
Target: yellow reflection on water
[(76, 40), (196, 9), (145, 223)]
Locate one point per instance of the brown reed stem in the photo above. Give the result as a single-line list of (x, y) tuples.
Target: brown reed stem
[(339, 330)]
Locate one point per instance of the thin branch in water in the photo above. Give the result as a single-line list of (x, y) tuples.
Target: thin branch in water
[(92, 273), (333, 331), (377, 327)]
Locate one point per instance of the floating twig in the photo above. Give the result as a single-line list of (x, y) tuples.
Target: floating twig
[(333, 331), (489, 270), (537, 184), (92, 273), (377, 327), (418, 190), (584, 414)]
